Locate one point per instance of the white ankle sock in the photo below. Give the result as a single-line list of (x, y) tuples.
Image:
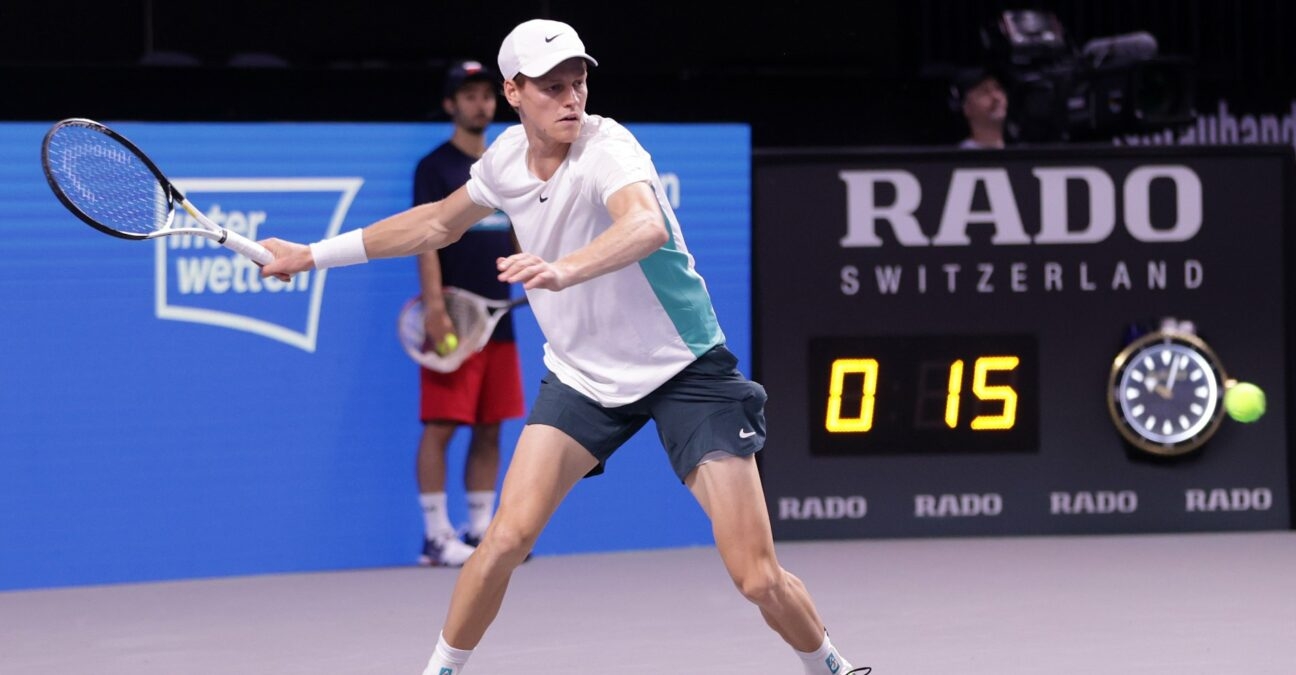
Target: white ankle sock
[(825, 660), (481, 507), (436, 522), (447, 660)]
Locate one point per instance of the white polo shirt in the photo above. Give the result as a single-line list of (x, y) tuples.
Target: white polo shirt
[(616, 337)]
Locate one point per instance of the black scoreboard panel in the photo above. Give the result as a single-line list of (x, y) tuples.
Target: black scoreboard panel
[(937, 332)]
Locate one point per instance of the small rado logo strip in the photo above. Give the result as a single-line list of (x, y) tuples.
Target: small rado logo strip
[(1099, 501), (852, 507), (957, 506), (1232, 499)]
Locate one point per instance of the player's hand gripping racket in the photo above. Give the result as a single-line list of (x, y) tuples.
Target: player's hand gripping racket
[(474, 319), (115, 188)]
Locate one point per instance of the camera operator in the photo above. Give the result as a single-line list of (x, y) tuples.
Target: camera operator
[(984, 104)]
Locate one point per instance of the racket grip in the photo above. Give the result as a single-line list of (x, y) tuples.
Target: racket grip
[(242, 245)]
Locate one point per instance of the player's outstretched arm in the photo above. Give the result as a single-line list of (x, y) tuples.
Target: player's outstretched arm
[(423, 228)]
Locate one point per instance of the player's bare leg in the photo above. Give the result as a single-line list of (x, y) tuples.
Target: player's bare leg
[(545, 466), (729, 490)]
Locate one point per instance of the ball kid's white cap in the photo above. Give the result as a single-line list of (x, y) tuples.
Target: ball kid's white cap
[(534, 47)]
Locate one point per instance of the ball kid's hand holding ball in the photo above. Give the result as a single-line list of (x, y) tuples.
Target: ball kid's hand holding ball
[(447, 344)]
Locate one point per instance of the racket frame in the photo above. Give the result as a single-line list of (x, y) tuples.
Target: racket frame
[(446, 363), (209, 230)]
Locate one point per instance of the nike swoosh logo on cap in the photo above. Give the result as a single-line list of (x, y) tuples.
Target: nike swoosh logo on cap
[(551, 39), (743, 433)]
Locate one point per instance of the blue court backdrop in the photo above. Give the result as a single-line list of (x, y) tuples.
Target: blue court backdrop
[(166, 414)]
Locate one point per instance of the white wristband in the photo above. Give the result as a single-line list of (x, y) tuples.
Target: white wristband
[(345, 249)]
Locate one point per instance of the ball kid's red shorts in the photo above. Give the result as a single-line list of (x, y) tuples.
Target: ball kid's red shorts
[(486, 389)]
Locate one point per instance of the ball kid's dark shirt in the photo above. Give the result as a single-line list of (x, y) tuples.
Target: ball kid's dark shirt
[(470, 262)]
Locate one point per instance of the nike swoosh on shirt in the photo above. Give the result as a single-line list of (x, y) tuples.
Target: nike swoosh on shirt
[(551, 39), (543, 199), (743, 433)]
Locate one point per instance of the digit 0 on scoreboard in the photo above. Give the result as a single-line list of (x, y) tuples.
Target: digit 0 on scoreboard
[(923, 394)]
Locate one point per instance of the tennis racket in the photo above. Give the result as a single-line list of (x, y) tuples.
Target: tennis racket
[(474, 319), (108, 182)]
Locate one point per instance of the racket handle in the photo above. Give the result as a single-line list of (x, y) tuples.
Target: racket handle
[(241, 244)]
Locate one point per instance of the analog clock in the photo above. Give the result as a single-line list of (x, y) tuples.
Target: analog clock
[(1165, 392)]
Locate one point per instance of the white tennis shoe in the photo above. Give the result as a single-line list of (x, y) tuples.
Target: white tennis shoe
[(447, 551)]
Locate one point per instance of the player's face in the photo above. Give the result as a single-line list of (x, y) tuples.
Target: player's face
[(986, 102), (473, 106), (553, 105)]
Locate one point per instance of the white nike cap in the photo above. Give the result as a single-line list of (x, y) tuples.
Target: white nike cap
[(534, 47)]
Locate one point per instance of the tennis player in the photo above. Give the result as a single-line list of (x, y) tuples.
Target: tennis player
[(631, 336)]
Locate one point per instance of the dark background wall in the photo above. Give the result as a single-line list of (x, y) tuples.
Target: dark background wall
[(801, 73)]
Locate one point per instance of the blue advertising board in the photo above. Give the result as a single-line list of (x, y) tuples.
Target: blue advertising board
[(165, 413)]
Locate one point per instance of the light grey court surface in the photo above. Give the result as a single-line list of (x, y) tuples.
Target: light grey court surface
[(1206, 603)]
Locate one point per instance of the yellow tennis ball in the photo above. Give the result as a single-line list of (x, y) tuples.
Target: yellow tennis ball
[(448, 344), (1244, 402)]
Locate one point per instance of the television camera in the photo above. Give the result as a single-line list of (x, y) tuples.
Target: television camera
[(1110, 86)]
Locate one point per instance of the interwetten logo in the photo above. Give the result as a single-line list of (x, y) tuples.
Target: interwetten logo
[(202, 282)]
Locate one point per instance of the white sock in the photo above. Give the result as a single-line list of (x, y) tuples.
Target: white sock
[(447, 660), (825, 660), (481, 508), (436, 522)]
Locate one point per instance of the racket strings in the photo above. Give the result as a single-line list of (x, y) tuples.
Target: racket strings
[(468, 318), (106, 181)]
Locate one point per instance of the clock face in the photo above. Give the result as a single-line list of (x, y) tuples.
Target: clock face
[(1165, 393)]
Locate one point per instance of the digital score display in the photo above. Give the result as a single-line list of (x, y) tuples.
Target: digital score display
[(923, 394)]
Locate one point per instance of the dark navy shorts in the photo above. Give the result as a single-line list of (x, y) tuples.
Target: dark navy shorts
[(709, 406)]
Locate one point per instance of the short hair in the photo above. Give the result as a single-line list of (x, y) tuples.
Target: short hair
[(970, 78)]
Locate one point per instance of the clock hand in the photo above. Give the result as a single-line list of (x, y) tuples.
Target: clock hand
[(1154, 386), (1174, 370)]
